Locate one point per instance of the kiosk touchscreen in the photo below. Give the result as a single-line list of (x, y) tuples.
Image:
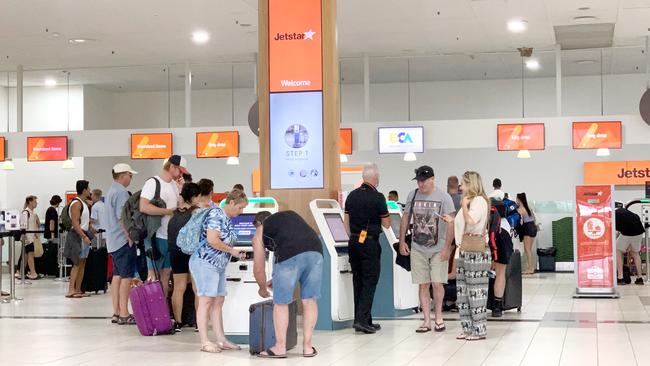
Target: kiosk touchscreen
[(336, 305), (396, 295), (240, 281)]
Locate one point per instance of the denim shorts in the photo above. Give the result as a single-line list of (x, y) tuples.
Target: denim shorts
[(164, 261), (210, 281), (124, 261), (85, 250), (306, 268)]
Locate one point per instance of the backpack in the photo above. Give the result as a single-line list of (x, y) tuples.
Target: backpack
[(189, 237), (65, 220), (512, 215), (134, 221)]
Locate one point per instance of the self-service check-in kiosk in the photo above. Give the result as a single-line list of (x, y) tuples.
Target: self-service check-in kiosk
[(396, 295), (240, 281), (336, 305)]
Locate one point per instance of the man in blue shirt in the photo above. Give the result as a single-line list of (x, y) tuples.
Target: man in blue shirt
[(119, 245)]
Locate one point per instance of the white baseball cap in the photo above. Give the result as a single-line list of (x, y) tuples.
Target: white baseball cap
[(123, 168)]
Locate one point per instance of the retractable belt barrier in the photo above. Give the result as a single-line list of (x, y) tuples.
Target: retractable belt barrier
[(16, 235)]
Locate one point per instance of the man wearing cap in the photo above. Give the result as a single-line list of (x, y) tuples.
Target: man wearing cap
[(365, 213), (427, 212), (118, 243), (172, 173)]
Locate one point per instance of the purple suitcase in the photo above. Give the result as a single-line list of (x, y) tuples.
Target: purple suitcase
[(150, 309)]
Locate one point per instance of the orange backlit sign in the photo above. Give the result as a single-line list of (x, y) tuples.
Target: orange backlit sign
[(596, 135), (345, 141), (49, 148), (295, 53), (69, 196), (514, 137), (217, 144), (2, 149), (620, 173), (151, 146)]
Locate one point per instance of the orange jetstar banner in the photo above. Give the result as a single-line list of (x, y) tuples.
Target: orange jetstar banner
[(620, 173), (345, 141), (595, 237), (217, 144), (151, 146), (514, 137), (2, 149), (596, 135), (49, 148), (69, 196), (295, 53)]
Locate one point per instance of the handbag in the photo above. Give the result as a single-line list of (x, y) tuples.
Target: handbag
[(404, 261), (473, 242), (38, 246)]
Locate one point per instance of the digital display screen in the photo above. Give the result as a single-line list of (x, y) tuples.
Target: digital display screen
[(345, 141), (151, 146), (2, 149), (515, 137), (337, 228), (597, 135), (243, 225), (217, 144), (296, 140), (400, 140), (49, 148)]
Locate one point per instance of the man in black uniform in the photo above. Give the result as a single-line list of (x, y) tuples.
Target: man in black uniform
[(365, 213)]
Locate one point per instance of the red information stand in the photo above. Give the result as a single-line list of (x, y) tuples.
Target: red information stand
[(594, 248)]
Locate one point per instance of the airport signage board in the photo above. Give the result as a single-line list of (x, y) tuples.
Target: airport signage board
[(2, 149), (597, 135), (151, 145), (345, 141), (400, 140), (619, 173), (515, 137), (47, 148), (217, 144)]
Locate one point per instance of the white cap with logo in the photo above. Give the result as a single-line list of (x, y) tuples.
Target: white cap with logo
[(123, 168)]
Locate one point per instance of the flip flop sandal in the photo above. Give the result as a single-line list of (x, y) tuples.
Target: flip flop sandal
[(228, 347), (313, 354), (210, 348), (73, 296), (440, 327), (474, 338), (461, 336), (271, 354), (423, 329)]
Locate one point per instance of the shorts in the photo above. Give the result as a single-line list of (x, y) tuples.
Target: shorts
[(164, 262), (306, 268), (209, 280), (504, 248), (180, 262), (623, 242), (527, 229), (125, 261), (428, 268), (29, 248), (85, 251)]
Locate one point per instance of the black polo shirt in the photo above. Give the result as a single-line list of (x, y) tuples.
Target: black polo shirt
[(366, 207)]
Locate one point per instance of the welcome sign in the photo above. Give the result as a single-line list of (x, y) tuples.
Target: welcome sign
[(400, 140)]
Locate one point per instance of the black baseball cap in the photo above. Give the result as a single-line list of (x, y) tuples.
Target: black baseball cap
[(180, 162), (423, 173)]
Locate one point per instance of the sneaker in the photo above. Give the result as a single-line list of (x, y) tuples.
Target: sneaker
[(115, 319), (639, 281), (127, 320), (620, 282), (177, 327)]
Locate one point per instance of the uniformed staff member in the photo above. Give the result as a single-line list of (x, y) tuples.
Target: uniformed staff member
[(365, 213)]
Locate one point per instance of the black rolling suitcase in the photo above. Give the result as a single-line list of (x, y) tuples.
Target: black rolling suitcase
[(48, 263), (512, 294), (96, 272)]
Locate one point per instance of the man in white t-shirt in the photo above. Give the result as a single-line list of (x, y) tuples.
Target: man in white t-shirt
[(97, 210), (497, 193), (173, 170)]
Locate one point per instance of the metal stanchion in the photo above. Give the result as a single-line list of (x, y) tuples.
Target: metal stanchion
[(12, 264), (23, 263), (61, 259), (2, 243)]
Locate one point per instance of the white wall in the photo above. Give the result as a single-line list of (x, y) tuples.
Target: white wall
[(46, 109)]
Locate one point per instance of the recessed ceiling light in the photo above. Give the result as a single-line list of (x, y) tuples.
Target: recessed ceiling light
[(584, 19), (517, 25), (80, 40), (532, 64), (50, 82), (585, 62), (200, 37)]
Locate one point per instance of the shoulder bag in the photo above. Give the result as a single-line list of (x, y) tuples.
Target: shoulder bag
[(473, 242)]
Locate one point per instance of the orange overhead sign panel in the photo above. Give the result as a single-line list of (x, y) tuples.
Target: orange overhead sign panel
[(151, 146), (47, 148), (2, 149), (596, 135), (621, 173), (295, 52), (345, 141), (514, 137), (217, 144)]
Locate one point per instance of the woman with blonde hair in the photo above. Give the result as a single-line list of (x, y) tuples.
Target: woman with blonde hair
[(474, 259)]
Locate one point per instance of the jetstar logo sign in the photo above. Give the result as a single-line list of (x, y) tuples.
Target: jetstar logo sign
[(309, 35)]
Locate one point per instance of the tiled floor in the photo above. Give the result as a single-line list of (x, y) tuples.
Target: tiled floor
[(552, 329)]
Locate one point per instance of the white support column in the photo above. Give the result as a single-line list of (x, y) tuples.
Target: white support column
[(19, 99), (188, 95), (558, 80), (366, 87)]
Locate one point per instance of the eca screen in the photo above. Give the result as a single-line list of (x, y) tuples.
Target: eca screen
[(335, 224), (243, 225)]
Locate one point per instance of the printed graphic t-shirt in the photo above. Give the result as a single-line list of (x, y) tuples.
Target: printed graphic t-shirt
[(429, 230)]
